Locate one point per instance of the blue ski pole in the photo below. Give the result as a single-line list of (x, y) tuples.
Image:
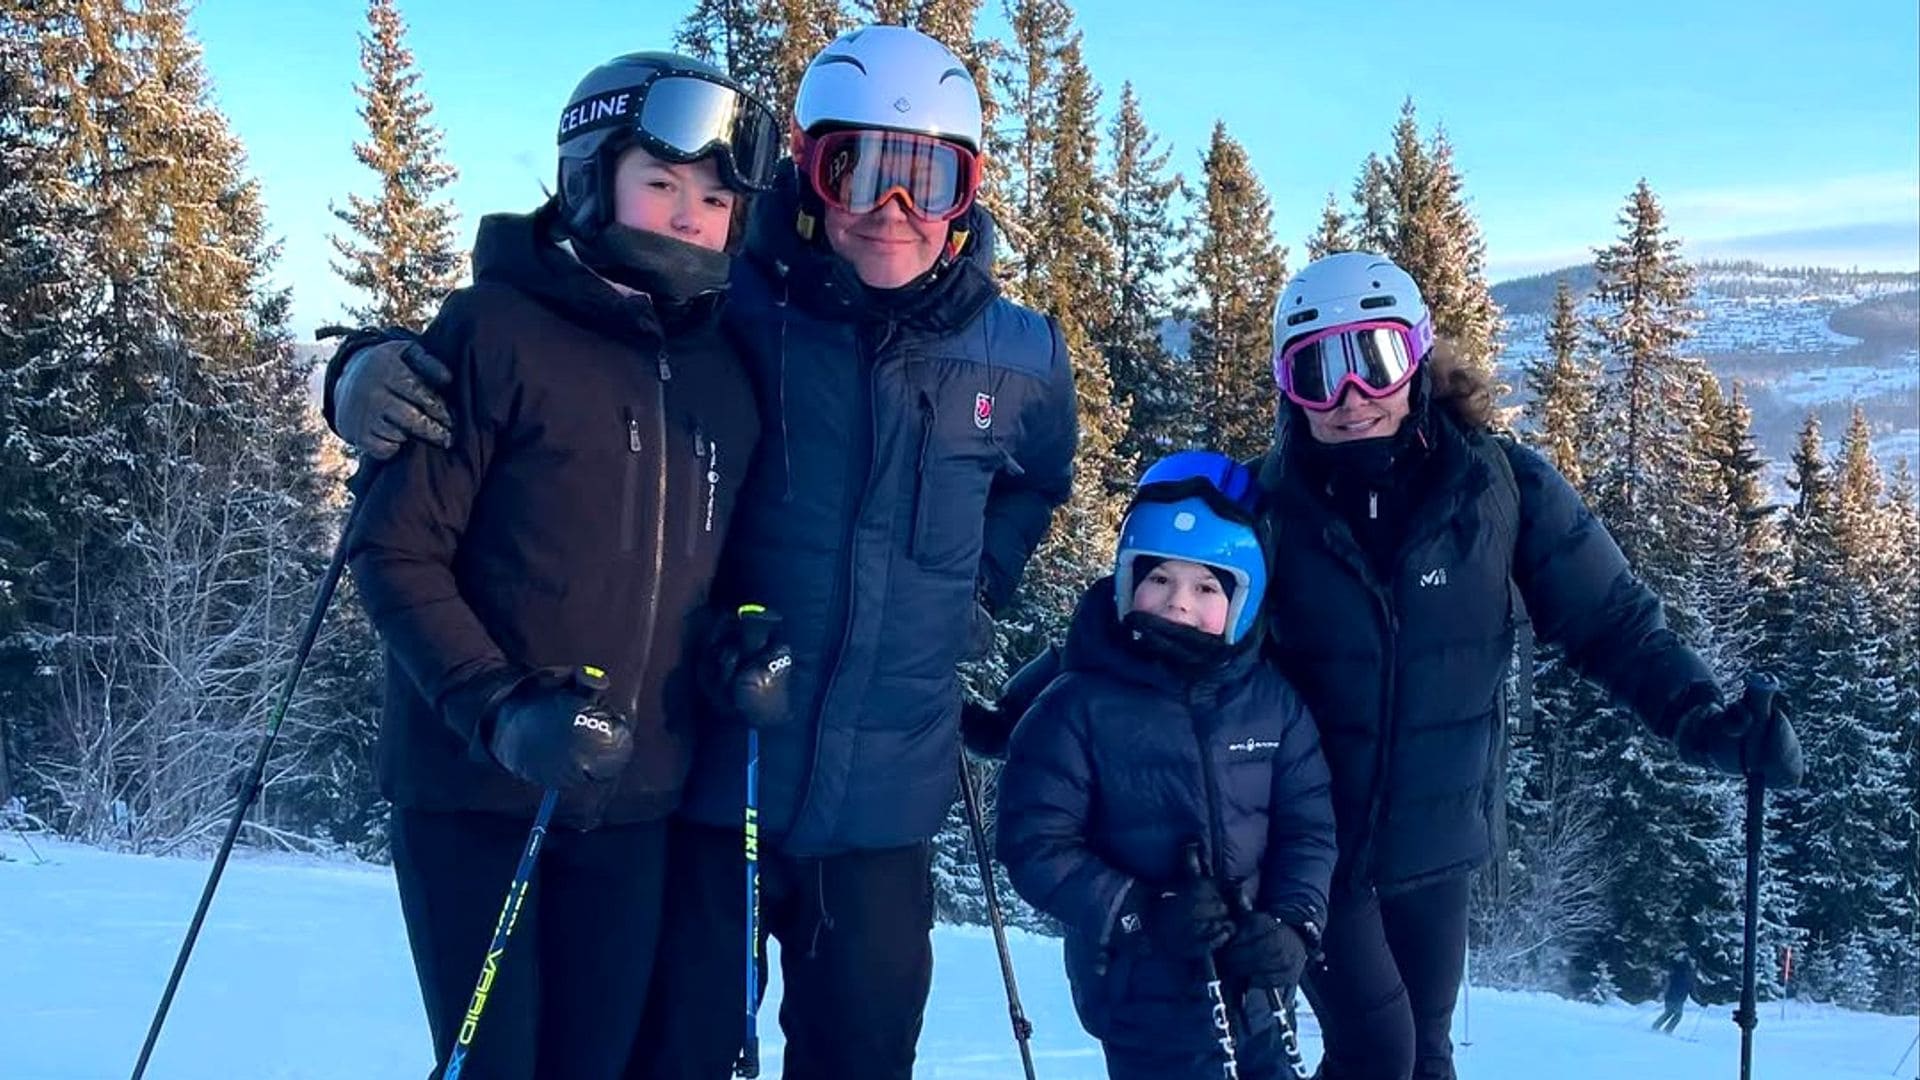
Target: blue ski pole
[(756, 629)]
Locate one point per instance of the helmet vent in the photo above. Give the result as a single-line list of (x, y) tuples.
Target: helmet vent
[(1371, 302), (1299, 317)]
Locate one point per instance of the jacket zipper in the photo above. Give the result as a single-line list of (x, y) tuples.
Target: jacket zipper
[(1211, 786), (843, 601), (920, 494), (630, 489), (650, 621)]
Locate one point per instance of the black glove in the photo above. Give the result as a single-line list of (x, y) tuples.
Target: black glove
[(555, 734), (1263, 952), (744, 668), (385, 396), (1751, 737), (985, 730), (1184, 920)]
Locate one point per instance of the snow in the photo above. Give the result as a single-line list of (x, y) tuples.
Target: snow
[(302, 971), (1841, 383)]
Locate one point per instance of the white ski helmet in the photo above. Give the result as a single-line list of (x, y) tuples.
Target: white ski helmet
[(891, 78), (1346, 287)]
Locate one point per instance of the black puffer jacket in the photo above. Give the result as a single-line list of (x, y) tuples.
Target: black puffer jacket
[(914, 451), (577, 519), (1116, 767), (1403, 670)]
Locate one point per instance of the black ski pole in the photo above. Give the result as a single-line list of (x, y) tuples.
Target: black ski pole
[(502, 930), (756, 629), (1022, 1027), (1763, 707), (253, 780), (1289, 1042), (1196, 867)]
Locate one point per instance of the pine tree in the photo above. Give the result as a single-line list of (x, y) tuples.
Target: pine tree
[(1900, 960), (1156, 387), (49, 291), (1844, 855), (1564, 386), (1412, 208), (1025, 80), (1645, 292), (1332, 237), (165, 599), (400, 250), (1236, 272)]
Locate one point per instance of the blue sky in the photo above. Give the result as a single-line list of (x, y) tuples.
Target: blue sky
[(1783, 131)]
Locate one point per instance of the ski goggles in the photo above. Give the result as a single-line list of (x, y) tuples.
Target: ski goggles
[(1375, 358), (859, 170), (685, 116), (1226, 486)]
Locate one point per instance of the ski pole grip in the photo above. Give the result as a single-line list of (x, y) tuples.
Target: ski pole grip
[(757, 625)]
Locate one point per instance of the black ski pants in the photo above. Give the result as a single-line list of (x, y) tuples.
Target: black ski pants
[(1384, 991), (568, 992), (856, 960), (1670, 1017)]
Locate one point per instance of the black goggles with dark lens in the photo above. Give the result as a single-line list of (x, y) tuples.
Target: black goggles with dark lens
[(682, 116)]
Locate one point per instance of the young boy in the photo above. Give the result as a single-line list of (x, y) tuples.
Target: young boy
[(539, 581), (1166, 732)]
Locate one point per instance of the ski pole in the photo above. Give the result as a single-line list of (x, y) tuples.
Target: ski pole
[(1222, 1025), (756, 629), (1763, 706), (502, 929), (1289, 1041), (254, 778), (1022, 1027)]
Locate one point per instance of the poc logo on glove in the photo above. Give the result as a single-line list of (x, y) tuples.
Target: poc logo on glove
[(780, 663), (593, 723)]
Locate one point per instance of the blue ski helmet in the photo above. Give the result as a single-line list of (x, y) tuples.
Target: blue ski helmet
[(1197, 506)]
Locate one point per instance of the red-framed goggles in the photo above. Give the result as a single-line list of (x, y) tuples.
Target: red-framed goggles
[(683, 116), (1375, 358), (859, 170)]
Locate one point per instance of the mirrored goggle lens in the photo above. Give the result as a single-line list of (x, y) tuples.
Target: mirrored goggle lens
[(690, 117), (1379, 356), (857, 171)]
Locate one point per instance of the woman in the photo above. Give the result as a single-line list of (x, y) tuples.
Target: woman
[(1401, 531)]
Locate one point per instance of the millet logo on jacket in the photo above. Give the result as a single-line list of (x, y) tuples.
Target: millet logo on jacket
[(1433, 577)]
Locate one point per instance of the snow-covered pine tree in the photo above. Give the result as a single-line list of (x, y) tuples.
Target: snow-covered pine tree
[(49, 388), (1673, 830), (168, 627), (1845, 854), (400, 249), (1235, 272)]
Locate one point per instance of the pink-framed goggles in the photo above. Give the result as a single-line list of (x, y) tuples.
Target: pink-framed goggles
[(1375, 358)]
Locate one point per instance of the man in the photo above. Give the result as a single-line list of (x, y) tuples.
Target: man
[(1679, 989), (917, 433)]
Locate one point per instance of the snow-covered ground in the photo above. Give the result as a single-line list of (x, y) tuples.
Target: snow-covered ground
[(302, 971)]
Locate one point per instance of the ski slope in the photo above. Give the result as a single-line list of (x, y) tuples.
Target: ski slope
[(302, 971)]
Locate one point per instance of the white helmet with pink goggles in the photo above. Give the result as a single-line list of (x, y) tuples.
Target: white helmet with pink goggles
[(1349, 319)]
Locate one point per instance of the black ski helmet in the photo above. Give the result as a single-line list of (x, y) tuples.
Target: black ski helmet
[(607, 113)]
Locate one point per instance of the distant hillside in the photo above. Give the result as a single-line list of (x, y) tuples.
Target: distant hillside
[(1796, 340)]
